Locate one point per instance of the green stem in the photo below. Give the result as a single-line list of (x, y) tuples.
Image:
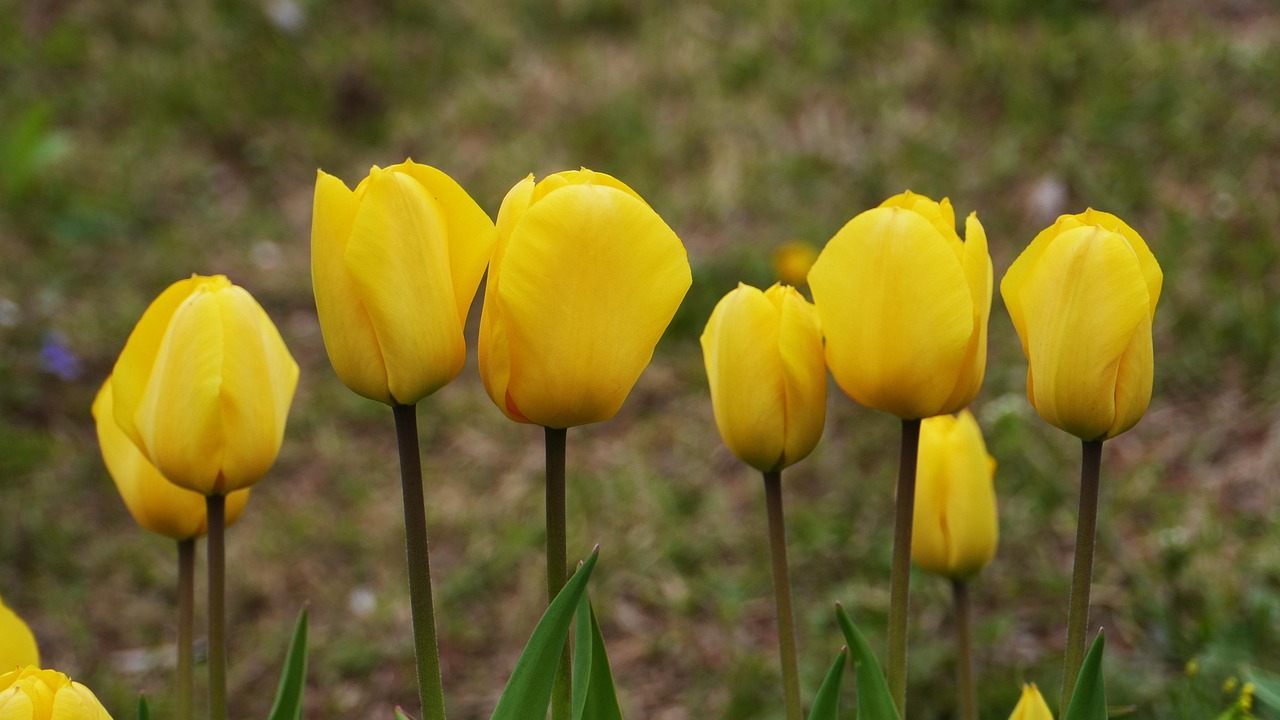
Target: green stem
[(782, 593), (426, 649), (968, 706), (1082, 574), (557, 562), (900, 577), (186, 623), (216, 507)]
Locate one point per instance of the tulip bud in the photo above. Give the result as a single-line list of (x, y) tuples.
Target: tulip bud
[(763, 353), (1031, 706), (792, 262), (1082, 297), (30, 693), (203, 386), (904, 306), (156, 504), (955, 530), (583, 282), (395, 265), (17, 643)]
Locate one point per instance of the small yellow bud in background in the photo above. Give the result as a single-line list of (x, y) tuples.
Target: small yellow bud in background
[(17, 643), (1031, 706), (30, 693), (1192, 668), (792, 262)]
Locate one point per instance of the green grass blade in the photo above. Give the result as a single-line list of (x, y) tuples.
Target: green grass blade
[(293, 678), (1089, 698), (594, 695), (826, 704), (144, 710), (529, 690), (874, 700), (402, 715), (1266, 686)]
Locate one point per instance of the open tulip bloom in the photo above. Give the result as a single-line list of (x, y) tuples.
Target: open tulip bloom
[(17, 643), (1082, 297), (904, 304), (29, 693)]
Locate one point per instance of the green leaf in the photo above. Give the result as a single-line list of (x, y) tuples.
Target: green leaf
[(144, 710), (1266, 686), (529, 690), (1089, 698), (826, 704), (293, 678), (402, 715), (594, 696), (874, 700)]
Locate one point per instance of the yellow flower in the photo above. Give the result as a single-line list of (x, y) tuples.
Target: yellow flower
[(395, 265), (955, 531), (763, 353), (203, 386), (30, 693), (17, 643), (792, 261), (1031, 706), (904, 305), (1082, 297), (156, 504), (582, 284)]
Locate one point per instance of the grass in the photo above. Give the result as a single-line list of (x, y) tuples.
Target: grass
[(142, 142)]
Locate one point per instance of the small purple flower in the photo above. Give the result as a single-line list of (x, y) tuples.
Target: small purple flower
[(57, 358)]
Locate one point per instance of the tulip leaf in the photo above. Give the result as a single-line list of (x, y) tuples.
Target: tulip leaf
[(594, 696), (826, 704), (874, 700), (528, 691), (402, 715), (1266, 686), (1089, 698), (293, 678), (144, 710)]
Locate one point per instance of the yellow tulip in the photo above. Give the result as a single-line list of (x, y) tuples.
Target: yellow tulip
[(1082, 297), (1031, 706), (156, 504), (30, 693), (763, 353), (583, 282), (203, 386), (904, 305), (395, 265), (792, 262), (955, 530), (17, 643)]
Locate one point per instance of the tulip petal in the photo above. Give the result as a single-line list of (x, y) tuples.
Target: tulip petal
[(349, 337), (804, 374), (76, 702), (972, 525), (1083, 300), (398, 261), (16, 705), (930, 532), (17, 643), (977, 269), (494, 354), (1133, 380), (591, 278), (897, 312), (1147, 261)]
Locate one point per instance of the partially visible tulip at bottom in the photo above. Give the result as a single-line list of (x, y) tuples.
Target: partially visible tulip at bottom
[(17, 644), (1031, 706), (33, 694)]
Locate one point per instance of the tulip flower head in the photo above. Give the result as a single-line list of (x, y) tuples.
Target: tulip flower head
[(763, 354), (1031, 705), (955, 530), (904, 304), (583, 282), (203, 386), (30, 693), (156, 504), (17, 643), (1082, 297), (395, 264)]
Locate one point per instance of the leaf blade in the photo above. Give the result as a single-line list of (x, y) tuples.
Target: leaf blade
[(826, 704), (293, 677)]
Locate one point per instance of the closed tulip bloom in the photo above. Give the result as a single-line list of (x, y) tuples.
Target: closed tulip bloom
[(395, 264), (30, 693), (1031, 706), (156, 504), (1082, 297), (955, 531), (583, 282), (904, 305), (17, 643), (763, 353), (203, 386)]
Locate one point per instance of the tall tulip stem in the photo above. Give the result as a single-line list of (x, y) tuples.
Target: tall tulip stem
[(186, 623), (782, 593), (900, 577), (217, 511), (1082, 574), (557, 561), (426, 649), (964, 651)]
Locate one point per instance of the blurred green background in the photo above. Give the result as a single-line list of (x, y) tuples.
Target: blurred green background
[(141, 142)]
